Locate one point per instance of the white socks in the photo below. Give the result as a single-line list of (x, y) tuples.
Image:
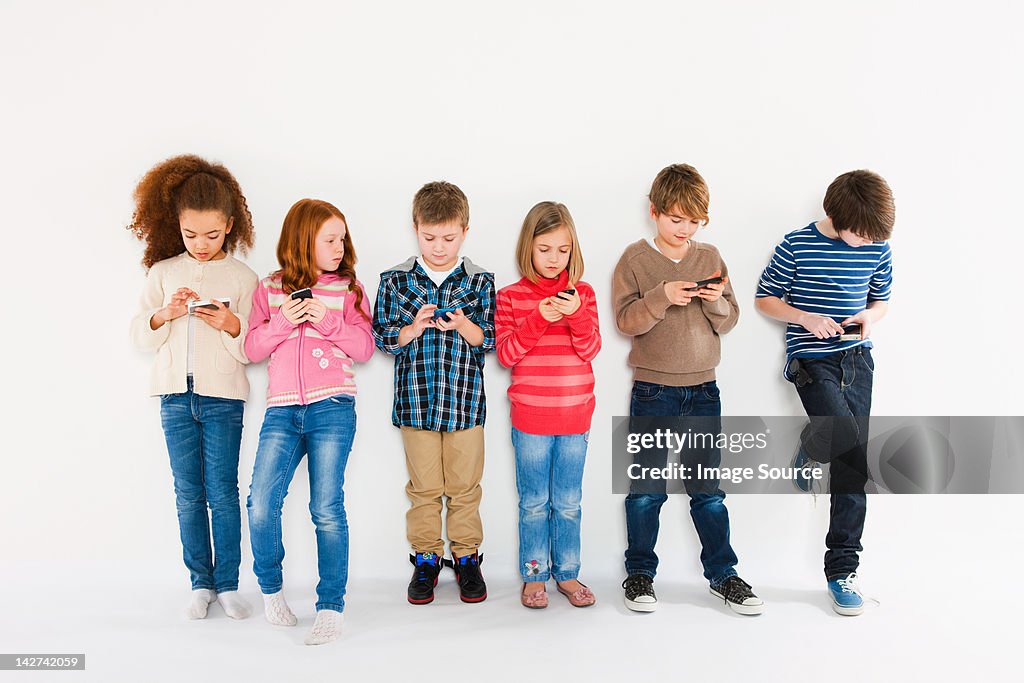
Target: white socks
[(326, 628), (200, 603), (233, 604), (277, 611)]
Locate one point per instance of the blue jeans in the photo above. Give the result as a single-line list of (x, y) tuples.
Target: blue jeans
[(203, 436), (707, 508), (549, 479), (839, 385), (324, 430)]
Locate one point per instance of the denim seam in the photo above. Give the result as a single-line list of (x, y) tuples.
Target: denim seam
[(279, 502)]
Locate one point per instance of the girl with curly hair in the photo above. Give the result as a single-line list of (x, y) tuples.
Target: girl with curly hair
[(192, 215), (312, 319)]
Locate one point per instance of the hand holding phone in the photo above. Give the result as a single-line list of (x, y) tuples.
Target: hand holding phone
[(701, 284)]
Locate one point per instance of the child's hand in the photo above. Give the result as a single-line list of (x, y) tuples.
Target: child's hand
[(294, 310), (677, 294), (220, 319), (177, 307), (548, 311), (713, 292), (315, 310), (565, 303), (865, 319), (820, 326), (424, 319), (456, 321)]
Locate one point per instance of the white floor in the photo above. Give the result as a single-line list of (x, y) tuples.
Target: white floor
[(940, 619)]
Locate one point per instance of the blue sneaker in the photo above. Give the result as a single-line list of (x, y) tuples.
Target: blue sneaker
[(801, 465), (846, 596)]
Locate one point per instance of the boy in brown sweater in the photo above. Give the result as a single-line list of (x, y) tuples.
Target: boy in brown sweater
[(675, 322)]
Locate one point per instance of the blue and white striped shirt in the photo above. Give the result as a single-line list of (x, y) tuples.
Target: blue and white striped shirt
[(828, 277)]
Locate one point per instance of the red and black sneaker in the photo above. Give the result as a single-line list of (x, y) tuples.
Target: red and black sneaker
[(426, 567), (471, 582)]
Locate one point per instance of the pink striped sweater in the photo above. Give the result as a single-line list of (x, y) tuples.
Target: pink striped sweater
[(552, 390), (309, 361)]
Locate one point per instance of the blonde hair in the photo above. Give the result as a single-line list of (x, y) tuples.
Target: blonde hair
[(440, 202), (543, 218), (680, 185)]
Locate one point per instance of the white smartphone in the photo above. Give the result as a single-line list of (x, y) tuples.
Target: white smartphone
[(193, 305)]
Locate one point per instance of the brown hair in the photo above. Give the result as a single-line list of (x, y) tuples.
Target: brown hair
[(680, 185), (440, 202), (861, 202), (543, 218), (180, 183), (296, 248)]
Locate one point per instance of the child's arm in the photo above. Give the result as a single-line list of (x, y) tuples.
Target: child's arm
[(143, 335), (584, 328), (513, 341), (236, 345), (820, 326), (266, 332), (636, 312), (477, 329), (879, 289), (387, 319), (349, 331), (718, 303)]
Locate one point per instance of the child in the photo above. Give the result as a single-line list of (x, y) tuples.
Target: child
[(312, 318), (192, 216), (435, 313), (675, 329), (822, 278), (547, 332)]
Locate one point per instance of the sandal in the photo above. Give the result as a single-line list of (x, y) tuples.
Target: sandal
[(535, 600), (579, 598)]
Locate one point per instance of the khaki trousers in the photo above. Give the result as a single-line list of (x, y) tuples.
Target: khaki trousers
[(444, 464)]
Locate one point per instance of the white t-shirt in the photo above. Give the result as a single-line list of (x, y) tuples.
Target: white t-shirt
[(437, 276), (673, 260)]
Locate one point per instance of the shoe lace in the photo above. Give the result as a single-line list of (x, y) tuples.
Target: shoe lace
[(736, 589), (469, 568), (638, 584), (850, 585)]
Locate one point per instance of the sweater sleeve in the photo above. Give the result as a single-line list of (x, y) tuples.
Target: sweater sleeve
[(514, 340), (584, 328), (236, 345), (350, 330), (152, 300), (266, 332), (636, 312), (724, 313)]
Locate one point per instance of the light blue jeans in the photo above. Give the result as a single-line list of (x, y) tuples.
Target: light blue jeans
[(549, 478), (324, 430)]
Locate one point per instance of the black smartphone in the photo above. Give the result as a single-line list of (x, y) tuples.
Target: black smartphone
[(702, 283), (570, 292), (306, 293)]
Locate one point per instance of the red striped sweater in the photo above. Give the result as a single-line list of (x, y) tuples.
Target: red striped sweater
[(552, 390)]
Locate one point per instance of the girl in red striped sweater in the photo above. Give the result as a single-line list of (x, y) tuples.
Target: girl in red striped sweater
[(547, 332)]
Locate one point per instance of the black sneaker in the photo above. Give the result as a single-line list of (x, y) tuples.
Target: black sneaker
[(640, 593), (471, 582), (737, 594), (426, 567)]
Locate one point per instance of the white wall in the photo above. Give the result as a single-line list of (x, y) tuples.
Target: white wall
[(577, 102)]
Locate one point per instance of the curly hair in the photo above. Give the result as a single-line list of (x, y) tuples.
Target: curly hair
[(297, 247), (186, 182)]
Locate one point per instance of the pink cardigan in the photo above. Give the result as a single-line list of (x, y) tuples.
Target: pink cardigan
[(309, 361)]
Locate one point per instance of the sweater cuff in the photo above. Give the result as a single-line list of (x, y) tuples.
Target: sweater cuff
[(536, 323), (718, 307), (657, 301)]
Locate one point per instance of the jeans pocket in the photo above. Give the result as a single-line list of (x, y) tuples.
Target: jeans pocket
[(711, 391), (647, 391), (869, 362), (342, 400)]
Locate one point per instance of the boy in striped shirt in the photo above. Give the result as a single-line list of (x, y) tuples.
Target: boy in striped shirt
[(824, 281)]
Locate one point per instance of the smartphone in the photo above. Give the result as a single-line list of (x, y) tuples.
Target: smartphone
[(193, 305), (306, 293), (443, 314), (851, 333), (570, 292), (702, 283)]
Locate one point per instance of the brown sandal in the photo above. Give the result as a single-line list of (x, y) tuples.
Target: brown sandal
[(579, 598), (535, 600)]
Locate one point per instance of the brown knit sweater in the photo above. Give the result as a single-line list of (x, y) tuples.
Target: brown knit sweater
[(672, 345)]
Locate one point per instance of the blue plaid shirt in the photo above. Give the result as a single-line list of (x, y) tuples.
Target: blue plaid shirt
[(439, 377)]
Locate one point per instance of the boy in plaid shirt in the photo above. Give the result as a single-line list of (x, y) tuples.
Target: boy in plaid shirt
[(435, 314)]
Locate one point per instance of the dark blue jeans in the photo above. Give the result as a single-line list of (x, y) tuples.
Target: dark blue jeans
[(839, 385), (707, 508), (203, 436)]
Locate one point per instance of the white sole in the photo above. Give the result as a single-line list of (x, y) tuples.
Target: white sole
[(847, 611), (640, 606), (747, 610)]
